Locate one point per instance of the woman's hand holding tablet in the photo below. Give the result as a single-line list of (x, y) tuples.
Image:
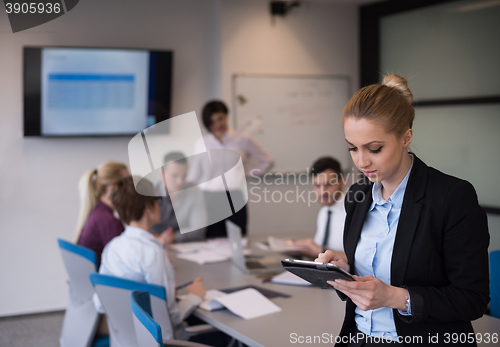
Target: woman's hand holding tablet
[(370, 292), (332, 258), (316, 273)]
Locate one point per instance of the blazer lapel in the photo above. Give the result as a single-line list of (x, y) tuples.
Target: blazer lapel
[(408, 221), (357, 221)]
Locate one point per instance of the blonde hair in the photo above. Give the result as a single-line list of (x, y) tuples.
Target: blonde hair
[(388, 103), (92, 186)]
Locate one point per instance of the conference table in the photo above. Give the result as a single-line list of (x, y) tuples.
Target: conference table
[(310, 314)]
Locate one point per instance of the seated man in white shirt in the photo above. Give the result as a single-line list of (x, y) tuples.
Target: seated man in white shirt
[(183, 197), (138, 256), (328, 184)]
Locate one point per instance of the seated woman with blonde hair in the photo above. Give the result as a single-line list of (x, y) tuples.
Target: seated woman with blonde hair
[(96, 224)]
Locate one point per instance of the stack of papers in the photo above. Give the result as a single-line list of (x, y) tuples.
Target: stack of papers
[(282, 245), (289, 278), (264, 246), (246, 303), (188, 247), (212, 251), (204, 257)]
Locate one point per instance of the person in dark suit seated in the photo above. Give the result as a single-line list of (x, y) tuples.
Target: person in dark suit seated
[(415, 238), (183, 213)]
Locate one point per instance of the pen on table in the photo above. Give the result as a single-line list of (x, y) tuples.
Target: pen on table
[(184, 285)]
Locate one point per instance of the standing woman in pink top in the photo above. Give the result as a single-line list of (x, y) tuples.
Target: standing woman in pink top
[(96, 224), (256, 162)]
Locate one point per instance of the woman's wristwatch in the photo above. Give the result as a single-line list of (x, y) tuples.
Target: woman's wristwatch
[(408, 302)]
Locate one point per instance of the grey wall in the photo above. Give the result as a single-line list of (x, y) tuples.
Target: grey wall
[(454, 55)]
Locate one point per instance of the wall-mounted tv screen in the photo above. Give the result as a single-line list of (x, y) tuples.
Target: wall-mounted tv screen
[(95, 91)]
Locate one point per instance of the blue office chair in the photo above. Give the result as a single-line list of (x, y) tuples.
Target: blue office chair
[(147, 331), (81, 318), (495, 283), (114, 294)]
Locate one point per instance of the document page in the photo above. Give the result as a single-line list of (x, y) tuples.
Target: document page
[(248, 303)]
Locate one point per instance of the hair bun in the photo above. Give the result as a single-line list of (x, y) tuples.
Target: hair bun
[(400, 84)]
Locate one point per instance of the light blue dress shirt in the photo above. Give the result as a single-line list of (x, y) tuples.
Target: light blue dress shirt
[(374, 254)]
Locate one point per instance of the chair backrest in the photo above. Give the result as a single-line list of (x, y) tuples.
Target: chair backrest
[(81, 317), (495, 283), (147, 331), (79, 262), (114, 294)]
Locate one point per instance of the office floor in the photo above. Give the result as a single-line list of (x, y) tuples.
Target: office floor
[(41, 330)]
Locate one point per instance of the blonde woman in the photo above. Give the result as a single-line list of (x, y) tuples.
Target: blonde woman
[(96, 224), (416, 238)]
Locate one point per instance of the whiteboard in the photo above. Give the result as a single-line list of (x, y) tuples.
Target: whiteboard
[(297, 119)]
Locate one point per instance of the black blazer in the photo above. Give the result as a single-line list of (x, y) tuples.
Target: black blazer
[(440, 254)]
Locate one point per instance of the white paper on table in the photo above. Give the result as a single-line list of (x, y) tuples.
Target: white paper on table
[(262, 246), (223, 242), (220, 246), (281, 245), (226, 250), (204, 257), (248, 303), (290, 278), (209, 303), (188, 247)]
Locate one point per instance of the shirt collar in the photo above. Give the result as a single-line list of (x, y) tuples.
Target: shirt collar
[(338, 202), (229, 134), (396, 199), (139, 233)]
